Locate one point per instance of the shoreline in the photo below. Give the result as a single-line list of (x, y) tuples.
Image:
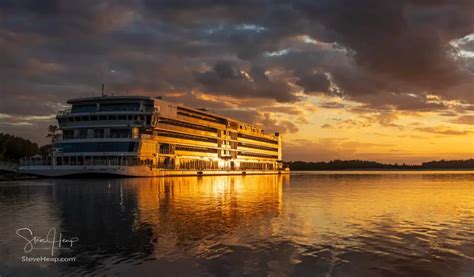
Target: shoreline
[(14, 176)]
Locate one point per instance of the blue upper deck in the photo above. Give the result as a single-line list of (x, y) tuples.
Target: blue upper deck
[(111, 104)]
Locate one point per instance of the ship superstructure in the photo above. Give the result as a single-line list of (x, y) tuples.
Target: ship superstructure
[(146, 136)]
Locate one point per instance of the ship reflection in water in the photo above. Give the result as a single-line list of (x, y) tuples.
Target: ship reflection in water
[(358, 224)]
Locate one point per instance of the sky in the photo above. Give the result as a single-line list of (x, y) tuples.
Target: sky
[(390, 81)]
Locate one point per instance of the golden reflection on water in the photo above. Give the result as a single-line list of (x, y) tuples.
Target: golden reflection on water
[(314, 210), (182, 210), (343, 206), (358, 223)]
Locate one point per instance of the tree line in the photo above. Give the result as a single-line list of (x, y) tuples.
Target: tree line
[(13, 148), (361, 164)]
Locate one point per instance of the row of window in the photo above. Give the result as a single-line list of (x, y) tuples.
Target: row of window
[(110, 107), (195, 149), (189, 113), (132, 107), (188, 125), (185, 136), (258, 166), (102, 160), (258, 146), (257, 155), (197, 164), (257, 138), (97, 133), (192, 164), (130, 117), (97, 147), (84, 108)]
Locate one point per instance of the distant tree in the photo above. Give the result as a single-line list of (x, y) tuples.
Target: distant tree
[(45, 150), (454, 164), (358, 164), (52, 132), (13, 148)]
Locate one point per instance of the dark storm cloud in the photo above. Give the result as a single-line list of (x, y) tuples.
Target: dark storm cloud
[(314, 82), (228, 79), (383, 54), (407, 40)]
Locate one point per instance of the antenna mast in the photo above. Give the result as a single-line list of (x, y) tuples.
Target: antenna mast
[(102, 90)]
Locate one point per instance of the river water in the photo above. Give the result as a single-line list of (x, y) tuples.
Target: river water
[(305, 224)]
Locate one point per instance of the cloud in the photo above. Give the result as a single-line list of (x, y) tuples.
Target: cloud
[(229, 79), (315, 82), (332, 105), (290, 110), (388, 58), (464, 119), (441, 130), (324, 149), (372, 52)]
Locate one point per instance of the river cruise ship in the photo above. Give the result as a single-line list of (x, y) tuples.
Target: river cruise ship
[(146, 136)]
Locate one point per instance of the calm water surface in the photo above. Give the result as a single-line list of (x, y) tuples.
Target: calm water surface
[(311, 224)]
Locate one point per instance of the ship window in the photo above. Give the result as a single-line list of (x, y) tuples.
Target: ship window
[(112, 117), (85, 118), (148, 108), (102, 117), (68, 134), (94, 117), (83, 108), (257, 155), (119, 133), (77, 118), (130, 117), (98, 133), (122, 117), (119, 107), (82, 133)]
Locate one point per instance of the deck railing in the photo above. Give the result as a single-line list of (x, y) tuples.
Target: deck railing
[(35, 162)]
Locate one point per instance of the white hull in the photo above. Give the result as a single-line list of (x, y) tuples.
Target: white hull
[(130, 171)]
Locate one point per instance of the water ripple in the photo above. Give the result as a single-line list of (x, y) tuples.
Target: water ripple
[(317, 224)]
